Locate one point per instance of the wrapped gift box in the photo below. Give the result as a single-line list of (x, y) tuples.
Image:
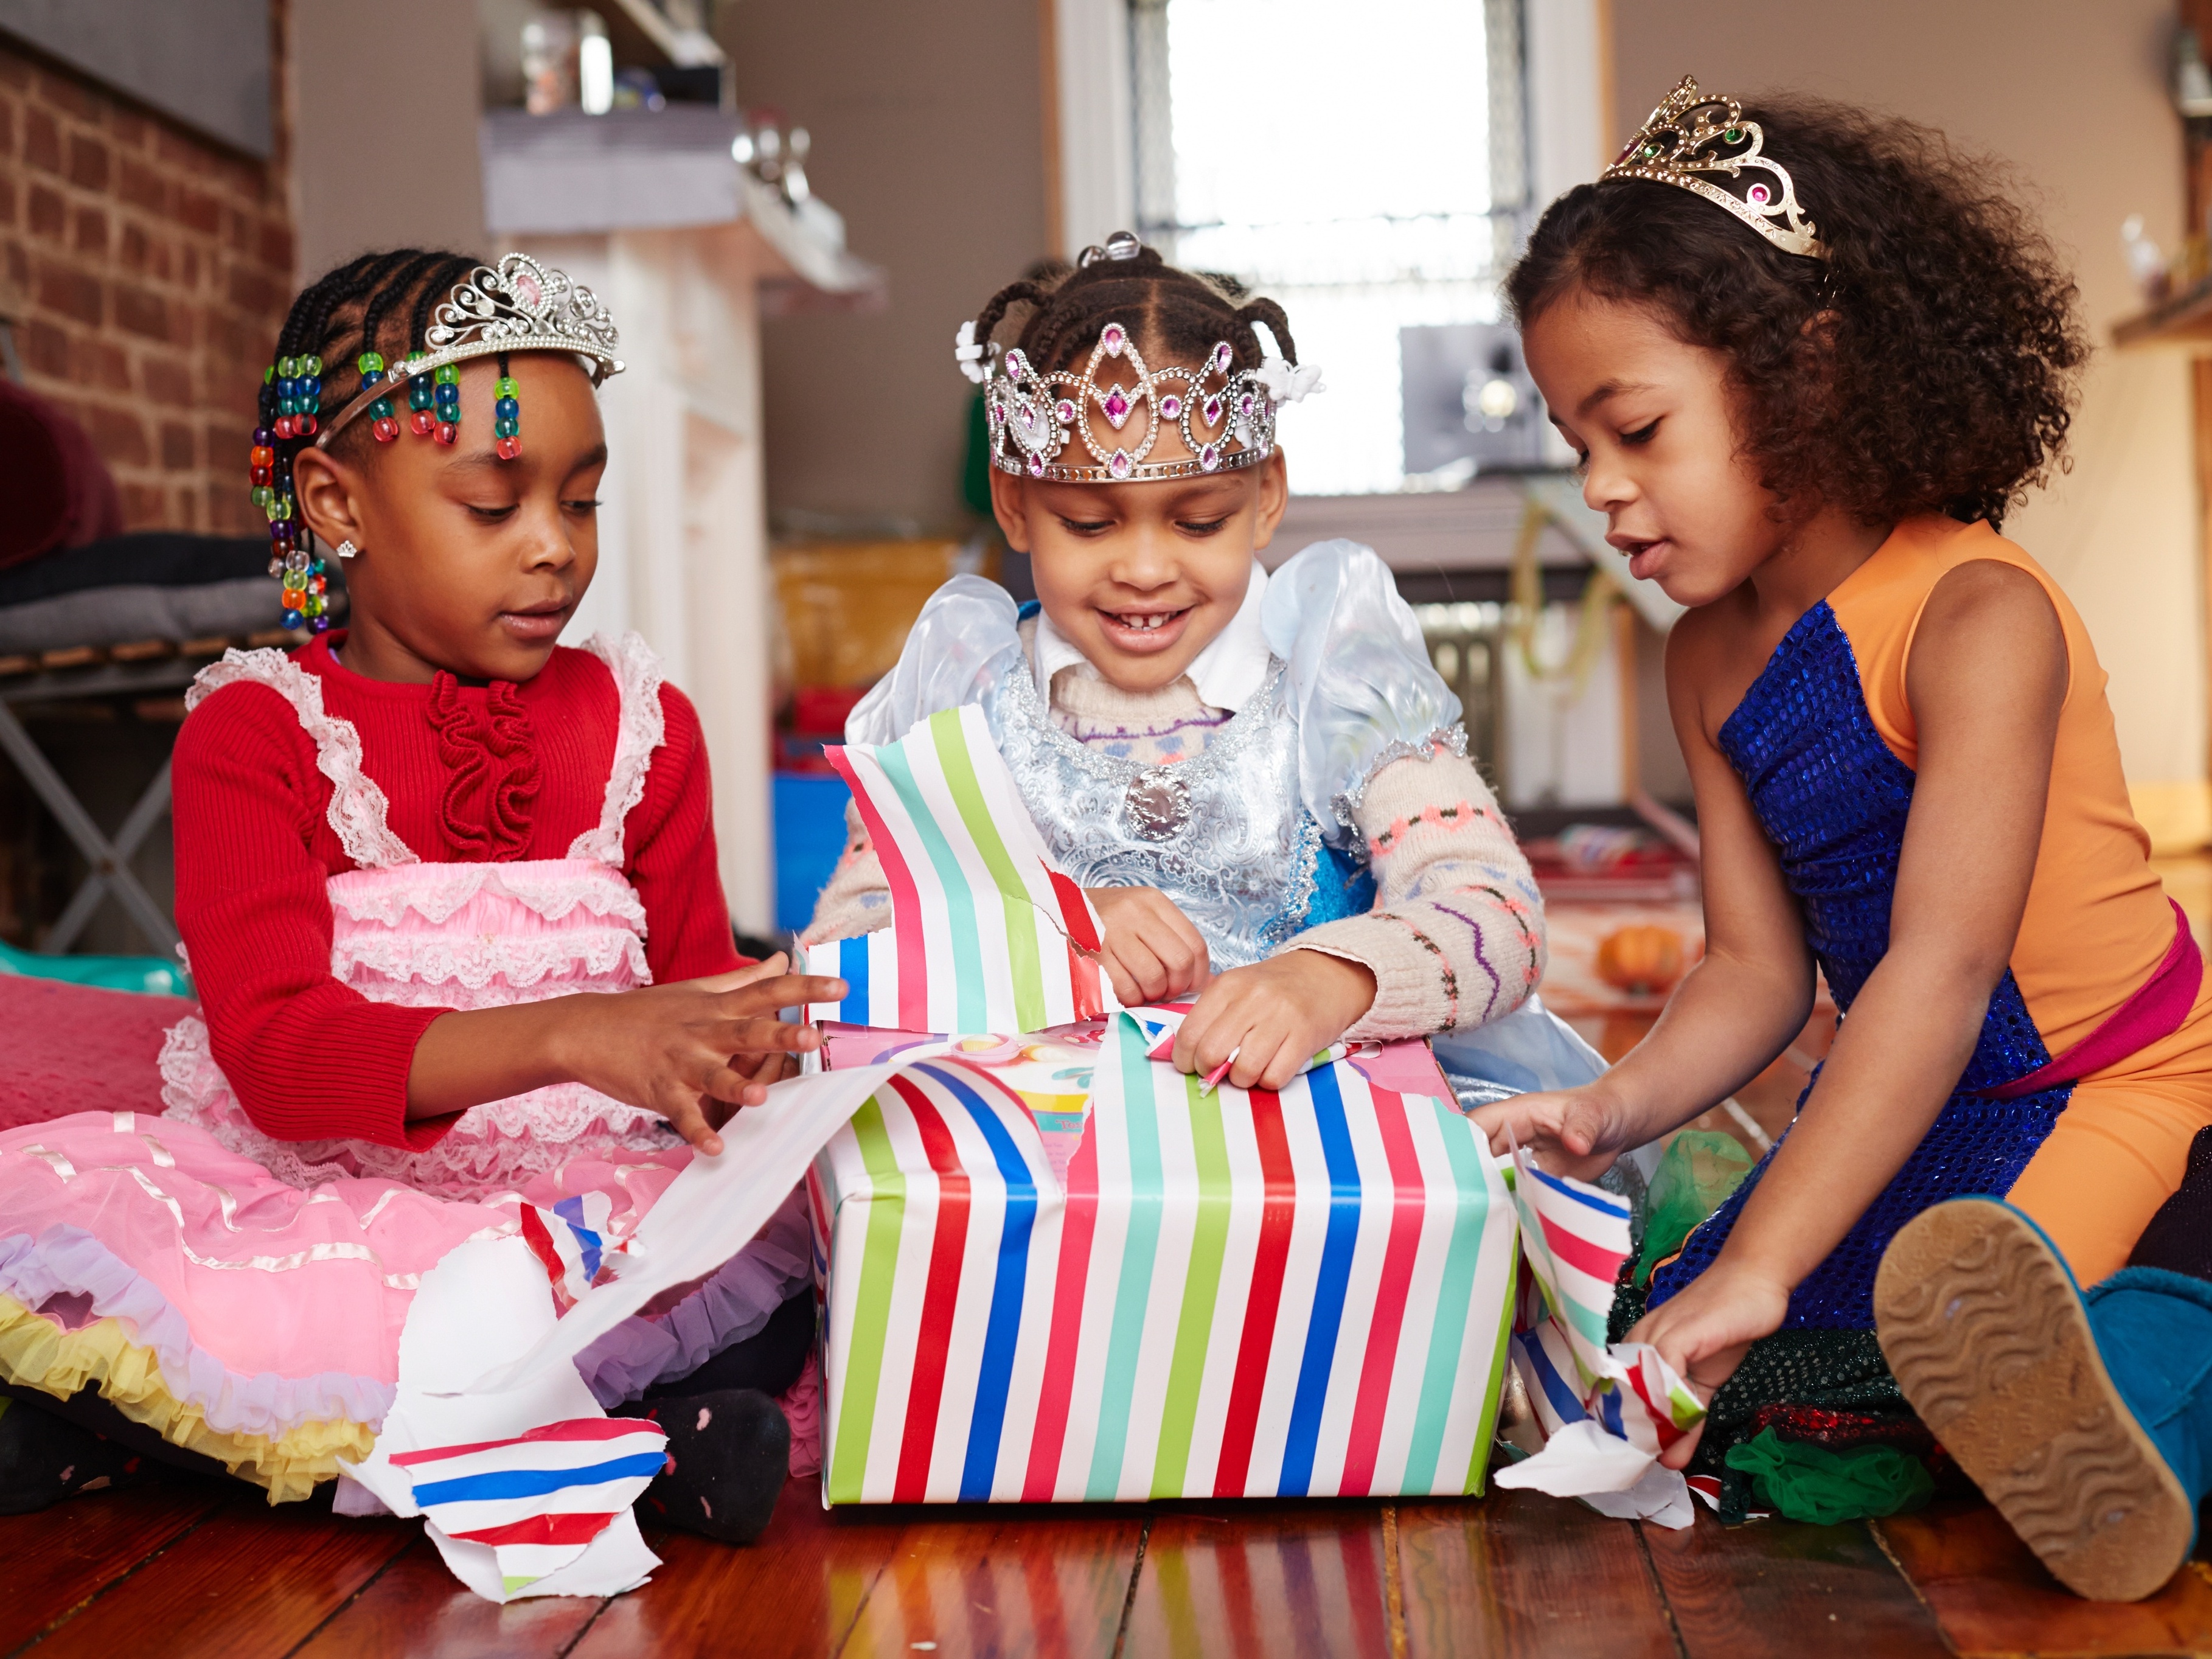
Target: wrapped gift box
[(1054, 1271)]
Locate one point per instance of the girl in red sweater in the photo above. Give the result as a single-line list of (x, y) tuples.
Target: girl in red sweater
[(451, 898)]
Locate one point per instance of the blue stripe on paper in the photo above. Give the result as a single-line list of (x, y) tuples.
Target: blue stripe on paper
[(1603, 1203), (1557, 1394), (1002, 1328), (1336, 1249), (853, 968), (534, 1483)]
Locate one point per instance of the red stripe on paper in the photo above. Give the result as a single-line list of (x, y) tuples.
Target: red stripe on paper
[(1074, 910), (1056, 1389), (1663, 1419), (1577, 1251), (563, 1529), (906, 901), (940, 1296), (1408, 1194), (1083, 976), (574, 1428), (1278, 1209)]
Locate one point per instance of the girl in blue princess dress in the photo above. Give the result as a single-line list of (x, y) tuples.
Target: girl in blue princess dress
[(1258, 777)]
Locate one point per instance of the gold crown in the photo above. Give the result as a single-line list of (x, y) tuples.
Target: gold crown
[(1692, 140)]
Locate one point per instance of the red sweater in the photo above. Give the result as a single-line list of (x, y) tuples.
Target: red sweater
[(473, 774)]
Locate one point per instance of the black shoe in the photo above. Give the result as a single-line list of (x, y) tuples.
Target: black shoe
[(44, 1459), (729, 1452)]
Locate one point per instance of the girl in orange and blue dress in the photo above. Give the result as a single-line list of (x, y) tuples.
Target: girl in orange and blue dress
[(1809, 359)]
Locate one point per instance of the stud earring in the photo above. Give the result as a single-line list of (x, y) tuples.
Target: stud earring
[(347, 549)]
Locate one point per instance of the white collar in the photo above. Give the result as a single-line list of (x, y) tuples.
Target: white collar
[(1228, 673)]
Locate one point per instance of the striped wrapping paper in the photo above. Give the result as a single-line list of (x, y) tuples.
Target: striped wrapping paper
[(1237, 1294), (987, 933), (537, 1499), (1576, 1238)]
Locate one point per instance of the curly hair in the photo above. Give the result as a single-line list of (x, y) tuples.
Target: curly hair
[(1927, 365), (1183, 313)]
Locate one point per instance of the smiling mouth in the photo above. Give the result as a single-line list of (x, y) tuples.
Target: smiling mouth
[(1144, 621)]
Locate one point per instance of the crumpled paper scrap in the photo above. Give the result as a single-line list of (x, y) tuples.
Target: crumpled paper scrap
[(1608, 1411)]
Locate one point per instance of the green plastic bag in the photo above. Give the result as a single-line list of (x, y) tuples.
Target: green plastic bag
[(1699, 1170), (1804, 1481), (145, 974)]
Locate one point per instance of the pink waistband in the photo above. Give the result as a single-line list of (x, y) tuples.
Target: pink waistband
[(2156, 1010)]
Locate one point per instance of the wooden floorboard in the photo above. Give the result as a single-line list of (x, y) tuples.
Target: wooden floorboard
[(247, 1581), (414, 1608), (58, 1559), (1257, 1582), (1017, 1582), (1519, 1573), (796, 1592), (1830, 1589), (1991, 1596)]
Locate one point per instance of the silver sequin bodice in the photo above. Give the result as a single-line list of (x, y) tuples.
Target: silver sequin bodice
[(1222, 834)]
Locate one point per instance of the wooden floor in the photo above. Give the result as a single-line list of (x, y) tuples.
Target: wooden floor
[(191, 1570)]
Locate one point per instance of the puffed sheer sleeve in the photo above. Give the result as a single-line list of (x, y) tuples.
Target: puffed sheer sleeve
[(960, 644), (1360, 681)]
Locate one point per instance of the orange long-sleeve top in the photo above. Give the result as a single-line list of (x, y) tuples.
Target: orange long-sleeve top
[(473, 774)]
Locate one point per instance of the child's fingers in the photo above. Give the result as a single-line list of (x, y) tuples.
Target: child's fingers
[(1146, 974), (1290, 1053), (1180, 952), (754, 1035), (741, 976), (687, 1115), (787, 991)]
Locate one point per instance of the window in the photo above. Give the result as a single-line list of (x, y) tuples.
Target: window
[(1362, 164)]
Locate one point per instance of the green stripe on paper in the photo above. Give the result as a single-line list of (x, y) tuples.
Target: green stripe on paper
[(1455, 1297), (1478, 1460), (952, 740), (1209, 1245), (959, 907), (1132, 1293), (871, 1309)]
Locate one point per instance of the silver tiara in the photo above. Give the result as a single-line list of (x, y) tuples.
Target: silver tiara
[(519, 305)]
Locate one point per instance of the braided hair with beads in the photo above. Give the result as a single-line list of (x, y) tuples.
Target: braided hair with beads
[(332, 348), (1181, 313)]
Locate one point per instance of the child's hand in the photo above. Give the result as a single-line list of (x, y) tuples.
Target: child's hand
[(1702, 1331), (1150, 951), (1275, 1016), (1573, 1132), (696, 1051)]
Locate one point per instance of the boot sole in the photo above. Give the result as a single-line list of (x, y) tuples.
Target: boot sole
[(1988, 1339)]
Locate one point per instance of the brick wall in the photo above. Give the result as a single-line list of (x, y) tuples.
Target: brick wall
[(147, 269)]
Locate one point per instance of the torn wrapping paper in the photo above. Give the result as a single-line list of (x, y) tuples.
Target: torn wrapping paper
[(1608, 1410), (1237, 1294), (538, 1500), (987, 933)]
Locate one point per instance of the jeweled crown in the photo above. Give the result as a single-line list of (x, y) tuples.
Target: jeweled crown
[(517, 305), (1703, 143), (1226, 415)]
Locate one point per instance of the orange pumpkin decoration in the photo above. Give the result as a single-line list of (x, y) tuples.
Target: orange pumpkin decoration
[(1645, 959)]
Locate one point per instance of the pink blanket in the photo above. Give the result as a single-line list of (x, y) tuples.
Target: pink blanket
[(74, 1049)]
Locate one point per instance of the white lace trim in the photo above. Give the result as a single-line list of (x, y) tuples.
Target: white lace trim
[(358, 808), (640, 730), (550, 888), (495, 1147), (419, 964)]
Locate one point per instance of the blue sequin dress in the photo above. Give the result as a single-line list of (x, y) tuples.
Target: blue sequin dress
[(1832, 799)]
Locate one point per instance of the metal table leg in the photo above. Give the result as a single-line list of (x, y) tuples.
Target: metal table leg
[(111, 870)]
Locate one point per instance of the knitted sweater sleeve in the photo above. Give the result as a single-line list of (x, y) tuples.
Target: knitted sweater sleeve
[(310, 1058), (1456, 935), (668, 846)]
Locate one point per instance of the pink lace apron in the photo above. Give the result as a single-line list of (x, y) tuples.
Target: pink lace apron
[(244, 1295)]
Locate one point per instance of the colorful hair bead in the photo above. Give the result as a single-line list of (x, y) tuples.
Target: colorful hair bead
[(446, 402), (384, 424), (420, 390), (507, 417)]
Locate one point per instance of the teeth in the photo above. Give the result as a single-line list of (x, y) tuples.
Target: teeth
[(1146, 623)]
